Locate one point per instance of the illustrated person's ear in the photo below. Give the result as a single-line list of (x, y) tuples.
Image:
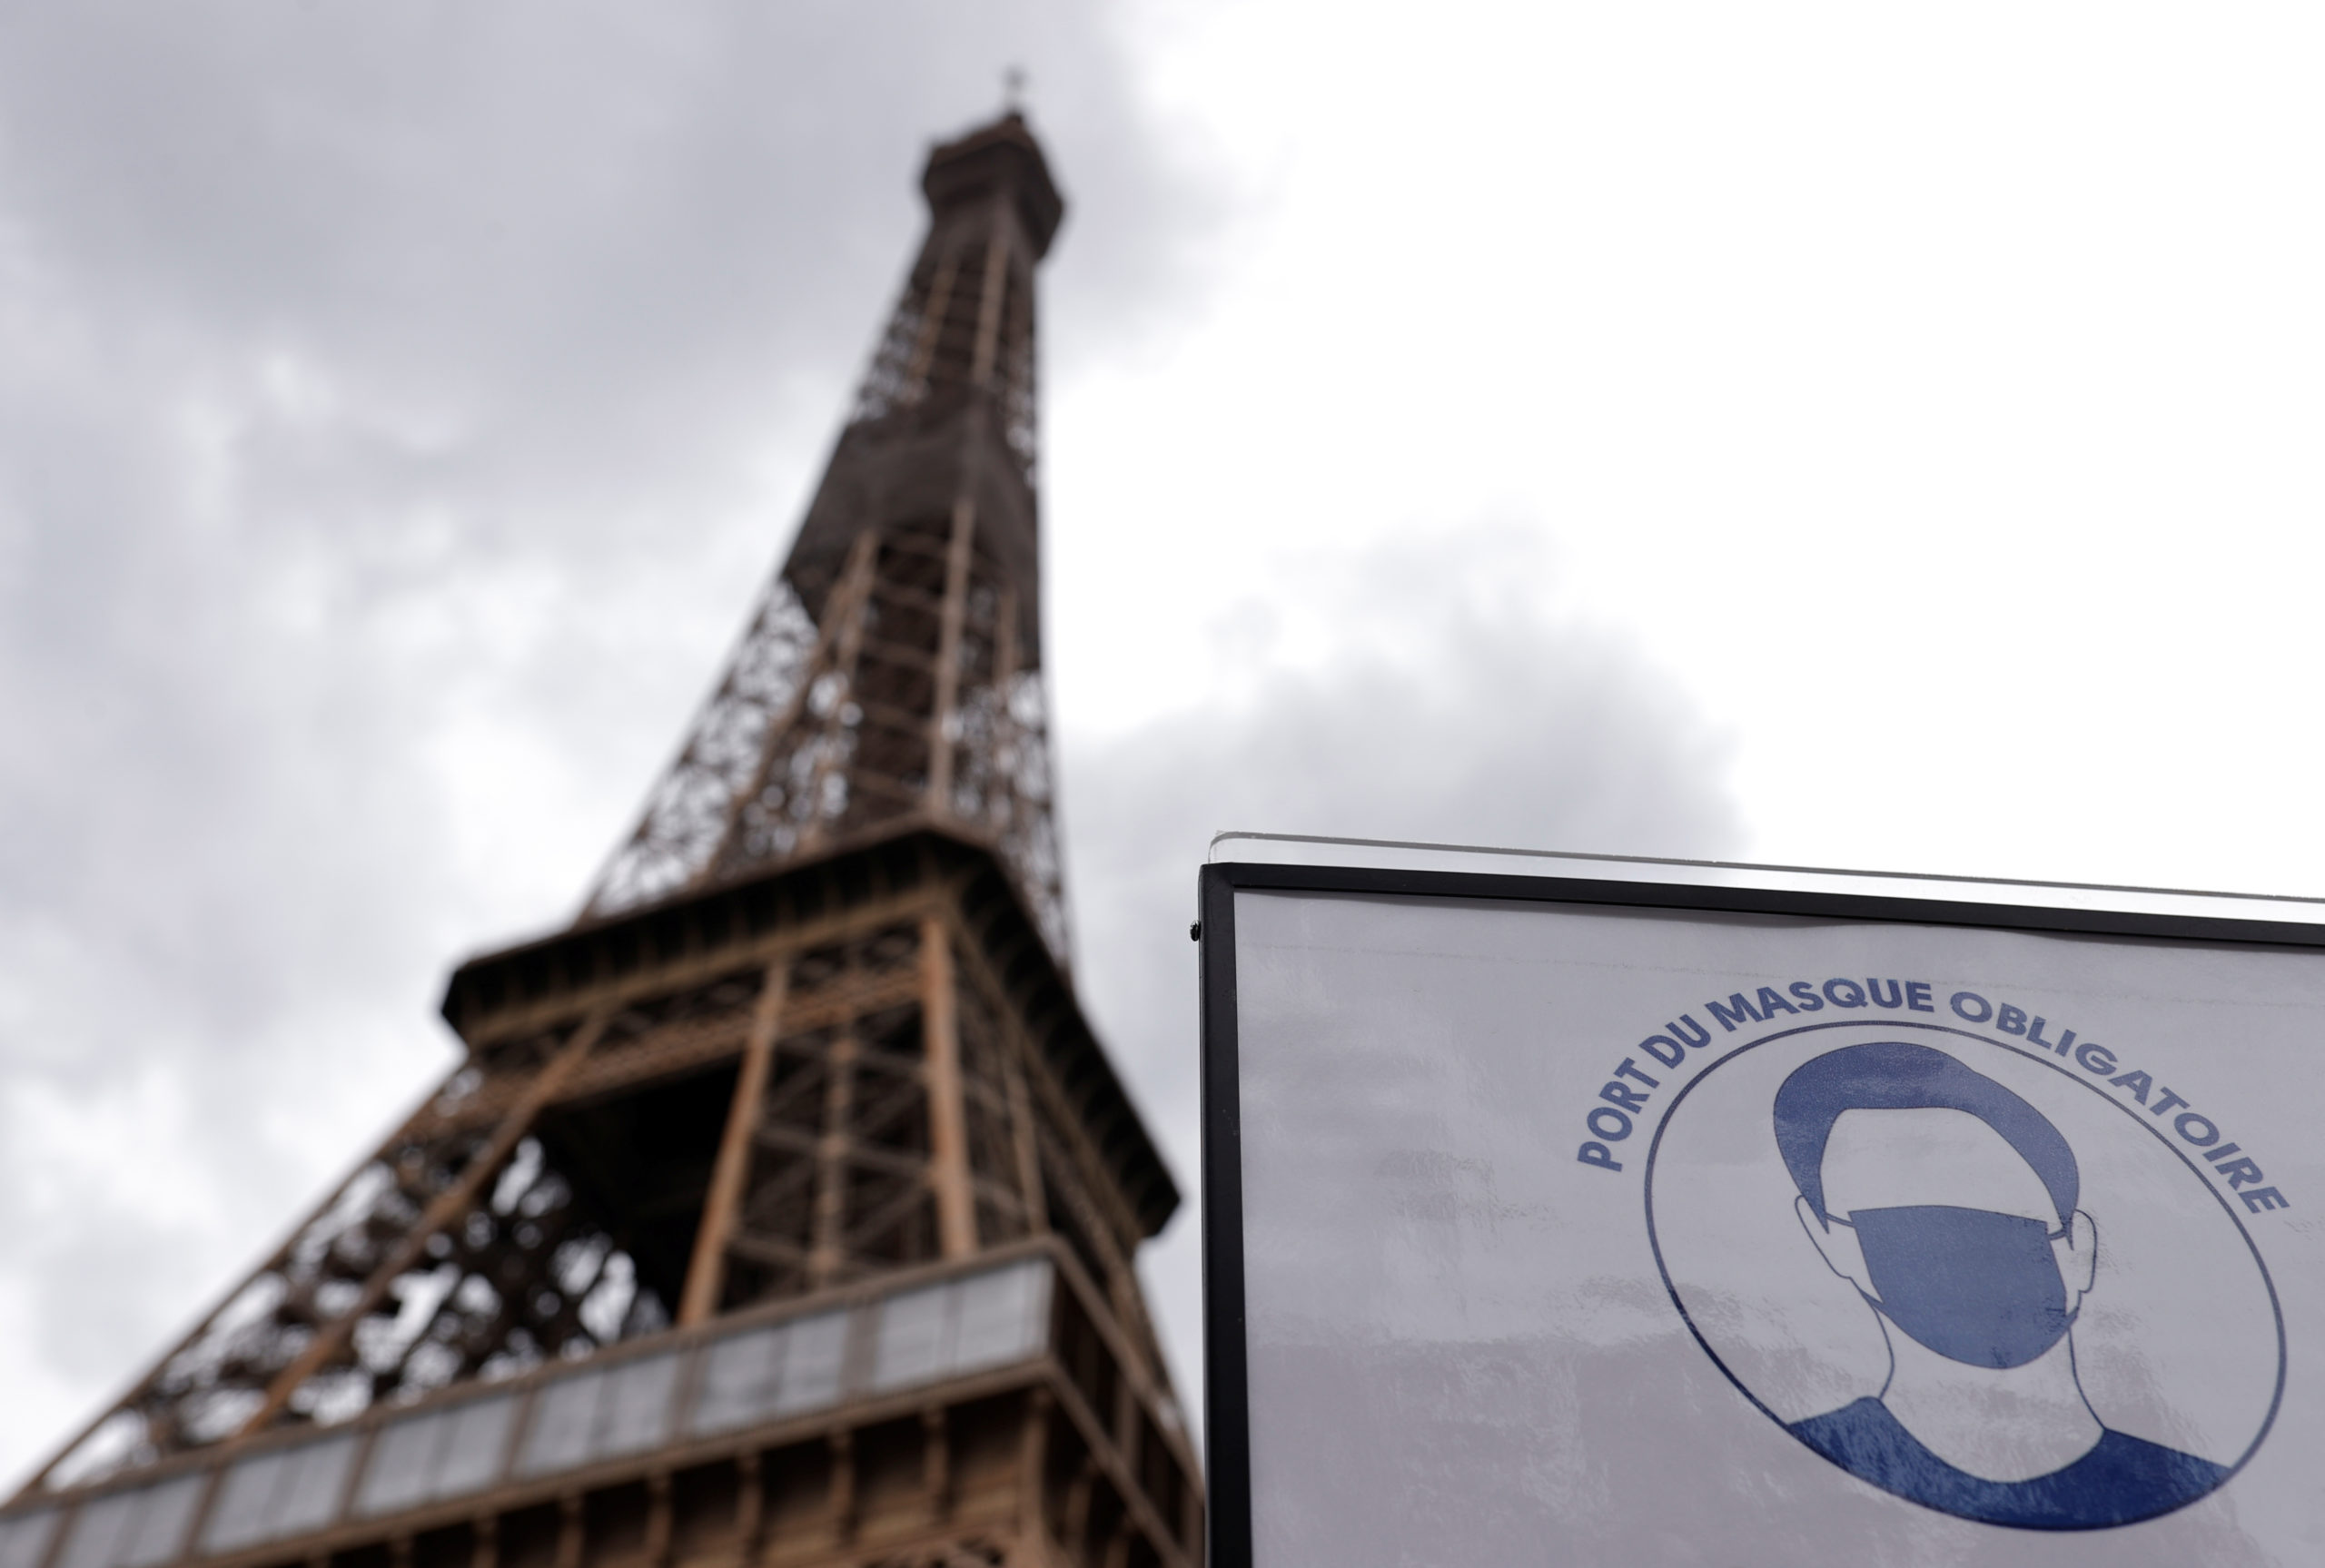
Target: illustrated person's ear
[(2077, 1253), (1837, 1244)]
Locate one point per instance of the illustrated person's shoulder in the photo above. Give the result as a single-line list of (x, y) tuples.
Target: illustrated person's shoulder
[(2121, 1480), (2126, 1478), (1863, 1438)]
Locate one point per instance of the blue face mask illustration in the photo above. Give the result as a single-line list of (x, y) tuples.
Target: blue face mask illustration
[(1973, 1286)]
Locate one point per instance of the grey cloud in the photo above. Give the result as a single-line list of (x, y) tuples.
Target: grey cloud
[(523, 225), (1442, 707), (399, 406)]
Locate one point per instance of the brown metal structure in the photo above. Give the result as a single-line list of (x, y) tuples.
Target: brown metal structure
[(783, 1208), (892, 673)]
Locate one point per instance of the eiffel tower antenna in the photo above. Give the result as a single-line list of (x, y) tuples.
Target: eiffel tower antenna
[(782, 1209)]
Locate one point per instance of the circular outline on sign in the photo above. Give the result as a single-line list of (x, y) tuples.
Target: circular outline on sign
[(2276, 1308)]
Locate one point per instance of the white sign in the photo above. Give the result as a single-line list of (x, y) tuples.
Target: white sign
[(1626, 1224)]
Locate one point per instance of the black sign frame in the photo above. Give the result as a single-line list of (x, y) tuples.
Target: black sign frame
[(1227, 1452)]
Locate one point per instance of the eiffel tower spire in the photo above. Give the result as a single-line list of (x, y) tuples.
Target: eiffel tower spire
[(781, 1209), (892, 671)]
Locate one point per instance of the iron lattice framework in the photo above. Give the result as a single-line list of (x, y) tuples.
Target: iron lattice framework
[(782, 1209), (890, 670)]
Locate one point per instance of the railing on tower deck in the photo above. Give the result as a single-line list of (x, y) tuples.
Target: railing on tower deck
[(738, 1381)]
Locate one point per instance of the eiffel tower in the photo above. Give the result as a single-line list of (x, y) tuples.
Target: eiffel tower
[(782, 1209)]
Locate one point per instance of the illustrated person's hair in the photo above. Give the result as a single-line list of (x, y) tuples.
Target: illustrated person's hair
[(1893, 1075)]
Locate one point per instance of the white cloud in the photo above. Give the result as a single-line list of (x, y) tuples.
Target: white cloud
[(399, 408), (397, 411), (1419, 690)]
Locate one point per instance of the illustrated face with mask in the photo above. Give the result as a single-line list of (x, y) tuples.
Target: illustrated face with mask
[(1947, 1232), (1949, 1204)]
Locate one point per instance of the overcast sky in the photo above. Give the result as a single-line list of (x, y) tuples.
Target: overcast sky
[(1819, 432)]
